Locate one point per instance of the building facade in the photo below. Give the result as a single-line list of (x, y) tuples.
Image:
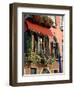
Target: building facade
[(42, 46)]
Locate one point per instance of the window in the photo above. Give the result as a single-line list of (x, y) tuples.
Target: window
[(53, 19), (55, 71), (61, 23), (27, 41), (45, 70), (33, 70)]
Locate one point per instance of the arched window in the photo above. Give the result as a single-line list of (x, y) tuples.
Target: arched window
[(45, 70)]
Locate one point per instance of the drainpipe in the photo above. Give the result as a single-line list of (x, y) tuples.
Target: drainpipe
[(60, 67)]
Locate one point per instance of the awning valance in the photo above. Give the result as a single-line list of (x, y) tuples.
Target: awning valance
[(39, 29)]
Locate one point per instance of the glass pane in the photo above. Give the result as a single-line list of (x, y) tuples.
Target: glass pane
[(33, 70)]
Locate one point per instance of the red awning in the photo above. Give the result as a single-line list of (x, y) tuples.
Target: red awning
[(39, 29)]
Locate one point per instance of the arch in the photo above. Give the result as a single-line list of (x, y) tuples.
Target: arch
[(45, 70)]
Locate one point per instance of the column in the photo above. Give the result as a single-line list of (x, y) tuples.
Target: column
[(32, 42), (38, 44)]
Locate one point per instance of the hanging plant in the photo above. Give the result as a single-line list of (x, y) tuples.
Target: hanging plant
[(42, 20)]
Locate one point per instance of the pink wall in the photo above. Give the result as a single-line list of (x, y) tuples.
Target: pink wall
[(58, 33)]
